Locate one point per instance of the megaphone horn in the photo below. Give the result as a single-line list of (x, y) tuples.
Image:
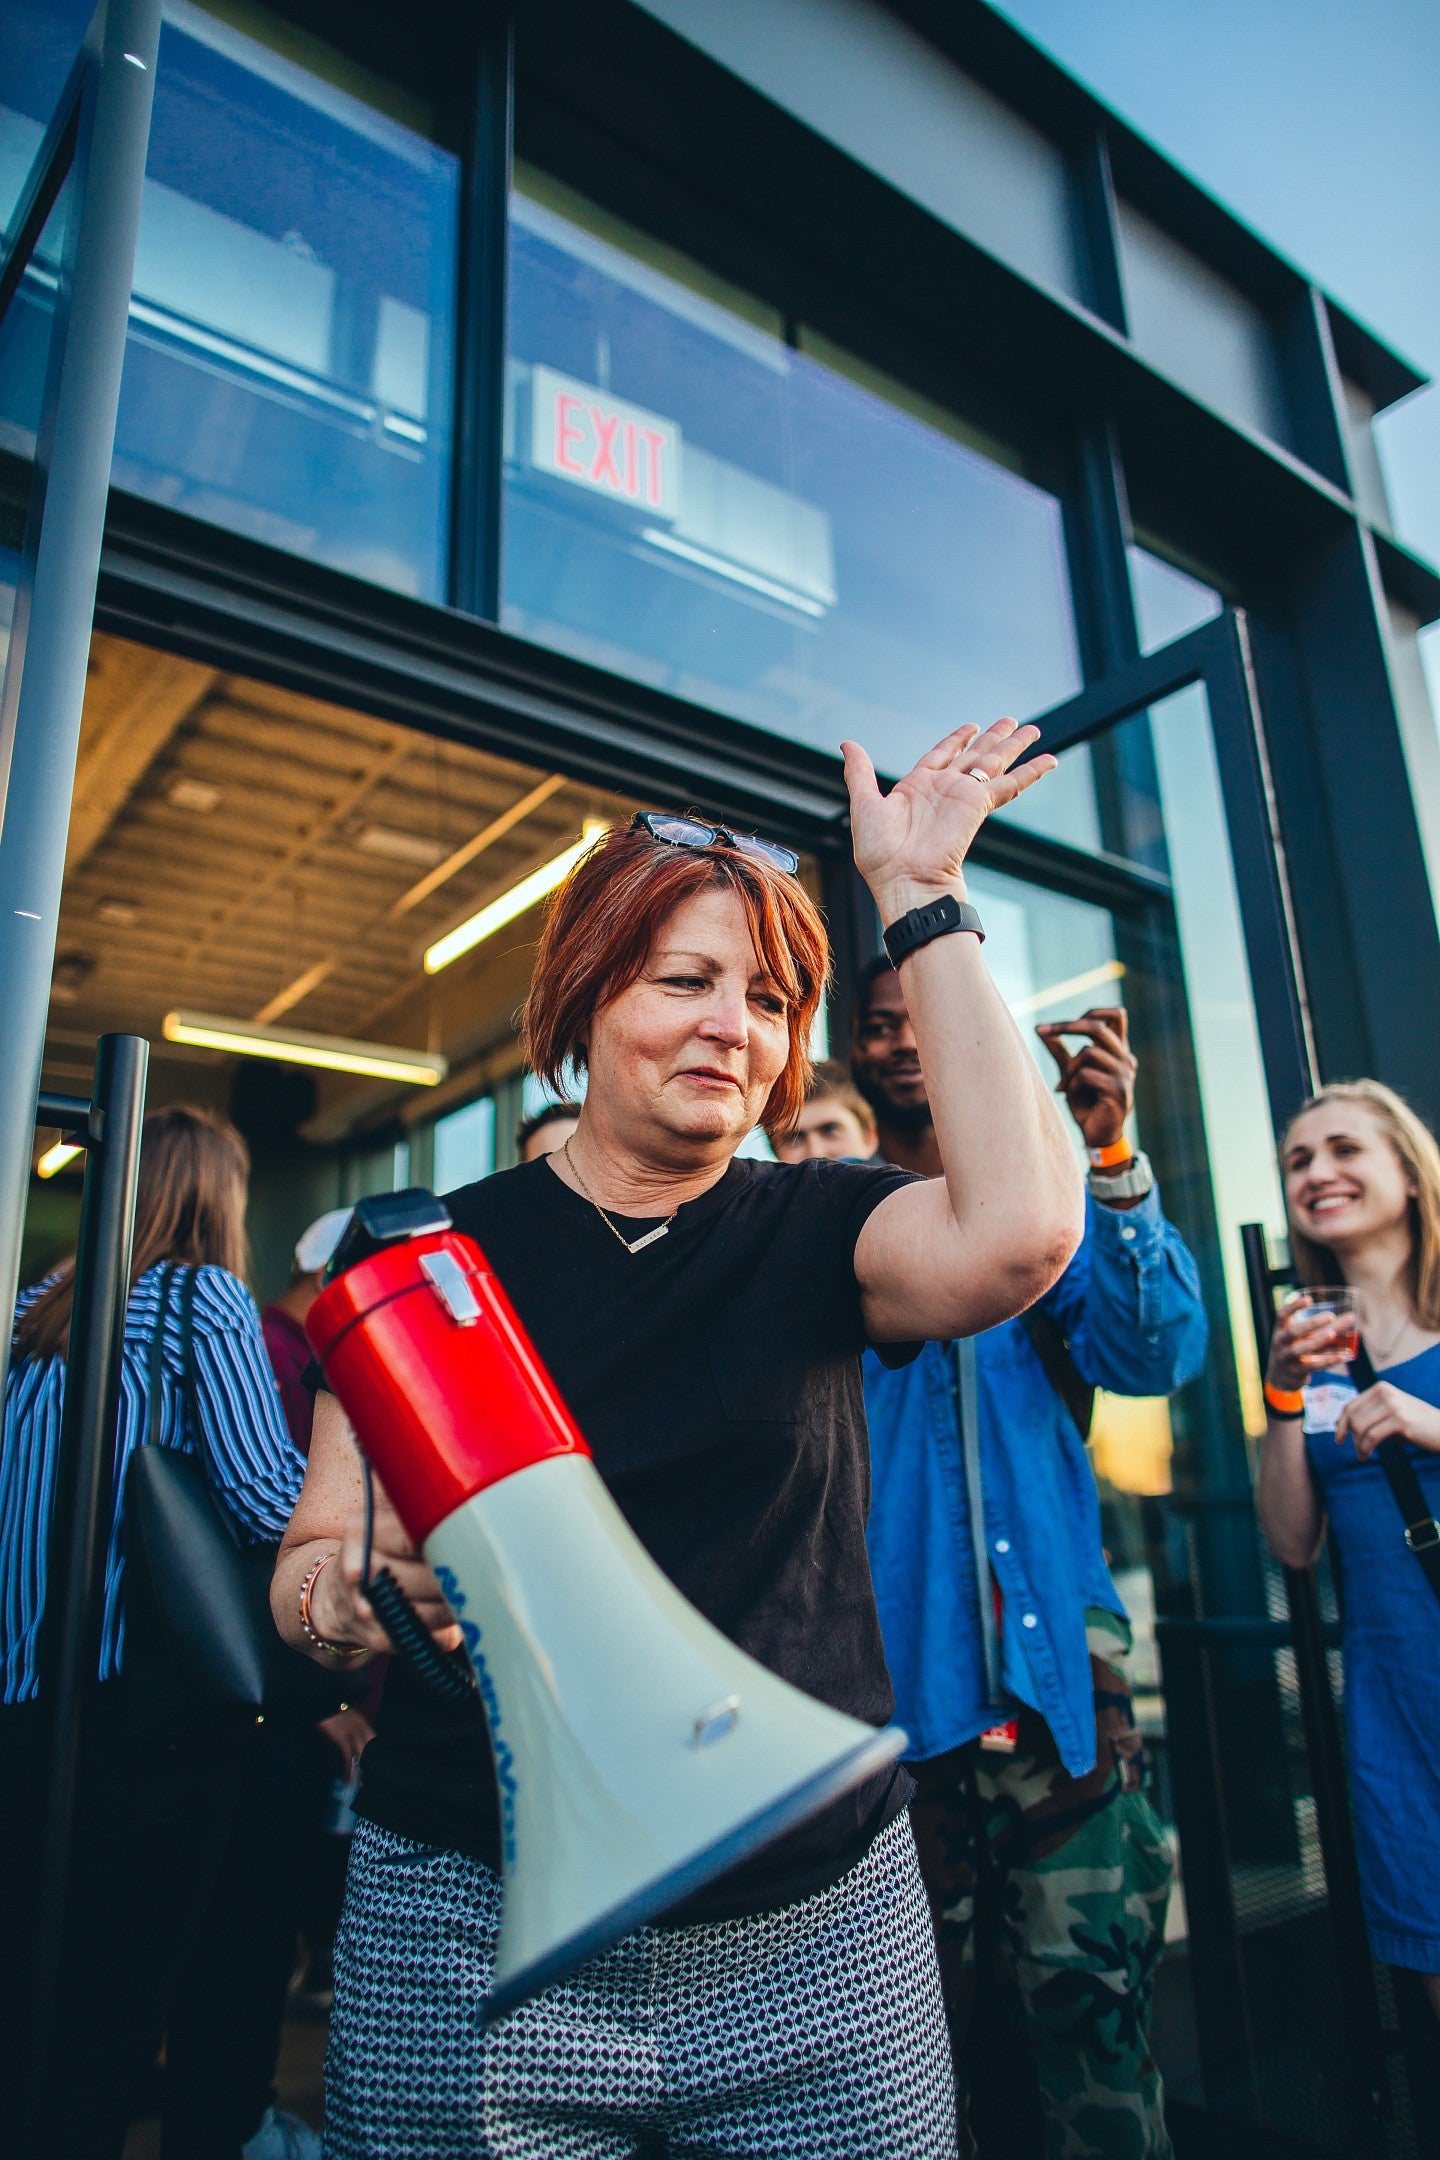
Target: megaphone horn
[(638, 1752)]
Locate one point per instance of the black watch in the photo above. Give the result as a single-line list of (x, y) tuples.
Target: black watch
[(922, 924)]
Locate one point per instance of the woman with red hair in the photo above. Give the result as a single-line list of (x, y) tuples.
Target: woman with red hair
[(703, 1317)]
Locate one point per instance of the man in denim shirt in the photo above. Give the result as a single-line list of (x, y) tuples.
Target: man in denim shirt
[(1043, 1857)]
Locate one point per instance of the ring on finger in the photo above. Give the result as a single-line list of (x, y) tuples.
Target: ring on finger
[(977, 772)]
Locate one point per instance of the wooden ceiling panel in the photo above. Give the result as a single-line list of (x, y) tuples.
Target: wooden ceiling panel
[(270, 896)]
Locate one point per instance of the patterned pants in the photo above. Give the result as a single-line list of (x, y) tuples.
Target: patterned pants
[(812, 2033), (1048, 1894)]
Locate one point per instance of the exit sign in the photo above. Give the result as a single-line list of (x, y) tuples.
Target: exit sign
[(599, 442)]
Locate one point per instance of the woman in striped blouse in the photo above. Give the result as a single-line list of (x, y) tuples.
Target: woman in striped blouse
[(154, 1813)]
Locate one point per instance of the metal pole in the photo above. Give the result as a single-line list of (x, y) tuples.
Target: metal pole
[(1330, 1789), (40, 721), (83, 1510)]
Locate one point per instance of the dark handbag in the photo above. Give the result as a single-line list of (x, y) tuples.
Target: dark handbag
[(200, 1640), (1422, 1531)]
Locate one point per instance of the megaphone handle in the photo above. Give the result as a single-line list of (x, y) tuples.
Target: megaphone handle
[(445, 1673)]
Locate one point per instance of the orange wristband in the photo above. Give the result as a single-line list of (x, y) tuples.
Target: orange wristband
[(1112, 1157), (1285, 1402)]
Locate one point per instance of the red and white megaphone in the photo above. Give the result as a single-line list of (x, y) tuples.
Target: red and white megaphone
[(638, 1752)]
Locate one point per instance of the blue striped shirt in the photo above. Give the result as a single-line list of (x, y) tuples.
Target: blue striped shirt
[(254, 1469)]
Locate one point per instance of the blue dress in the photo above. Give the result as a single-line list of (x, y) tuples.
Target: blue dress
[(1392, 1684)]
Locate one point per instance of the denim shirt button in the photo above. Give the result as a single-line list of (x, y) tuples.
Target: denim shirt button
[(1127, 1231), (1002, 1544), (1028, 1620)]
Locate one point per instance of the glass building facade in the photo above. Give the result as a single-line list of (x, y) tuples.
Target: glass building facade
[(754, 519), (586, 406)]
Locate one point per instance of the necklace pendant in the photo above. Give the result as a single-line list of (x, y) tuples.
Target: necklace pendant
[(660, 1230)]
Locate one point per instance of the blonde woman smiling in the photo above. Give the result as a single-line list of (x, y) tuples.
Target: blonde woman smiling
[(1362, 1189)]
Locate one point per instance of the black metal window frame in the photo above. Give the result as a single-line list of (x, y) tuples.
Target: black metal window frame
[(170, 579), (196, 589)]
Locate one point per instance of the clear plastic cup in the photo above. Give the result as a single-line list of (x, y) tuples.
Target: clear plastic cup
[(1342, 1305)]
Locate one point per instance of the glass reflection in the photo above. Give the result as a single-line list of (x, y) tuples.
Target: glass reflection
[(27, 332), (464, 1144), (1050, 956), (774, 531), (1235, 1104), (1168, 602), (27, 336), (39, 43), (1063, 806), (9, 586), (289, 364)]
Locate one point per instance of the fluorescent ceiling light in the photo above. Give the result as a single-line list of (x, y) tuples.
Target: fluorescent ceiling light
[(187, 793), (770, 587), (331, 1053), (55, 1158), (496, 913), (397, 846)]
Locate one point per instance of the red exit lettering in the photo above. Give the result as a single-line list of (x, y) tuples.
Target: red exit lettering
[(605, 450)]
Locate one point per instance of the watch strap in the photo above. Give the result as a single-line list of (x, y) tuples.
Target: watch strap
[(938, 918), (1130, 1183)]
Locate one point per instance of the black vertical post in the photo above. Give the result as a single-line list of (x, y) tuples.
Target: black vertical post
[(1097, 231), (1217, 1965), (478, 502), (43, 687), (1361, 2009), (82, 1514), (1098, 531)]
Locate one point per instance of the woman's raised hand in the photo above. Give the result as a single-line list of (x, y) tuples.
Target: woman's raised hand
[(343, 1614), (910, 845)]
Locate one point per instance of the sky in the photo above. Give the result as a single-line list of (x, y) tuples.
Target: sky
[(1318, 122)]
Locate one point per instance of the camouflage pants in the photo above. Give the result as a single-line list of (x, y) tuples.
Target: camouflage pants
[(1048, 1894)]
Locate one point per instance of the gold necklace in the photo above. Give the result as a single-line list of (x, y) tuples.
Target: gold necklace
[(660, 1230)]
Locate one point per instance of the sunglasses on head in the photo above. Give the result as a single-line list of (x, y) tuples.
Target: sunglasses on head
[(677, 831)]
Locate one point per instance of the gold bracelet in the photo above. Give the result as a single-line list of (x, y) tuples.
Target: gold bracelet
[(342, 1653)]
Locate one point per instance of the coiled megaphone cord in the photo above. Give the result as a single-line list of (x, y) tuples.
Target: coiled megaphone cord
[(447, 1673)]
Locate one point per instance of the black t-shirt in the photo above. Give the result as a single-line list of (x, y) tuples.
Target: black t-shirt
[(716, 1378)]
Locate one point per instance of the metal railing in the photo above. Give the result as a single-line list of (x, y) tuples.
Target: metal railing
[(108, 1128)]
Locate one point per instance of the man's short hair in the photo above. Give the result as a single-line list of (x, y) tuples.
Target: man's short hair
[(547, 1114), (831, 1082), (870, 974)]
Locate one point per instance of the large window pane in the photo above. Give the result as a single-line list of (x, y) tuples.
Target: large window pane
[(1168, 601), (773, 530), (289, 366), (1234, 1101), (27, 333), (1050, 956), (465, 1145), (1062, 806)]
